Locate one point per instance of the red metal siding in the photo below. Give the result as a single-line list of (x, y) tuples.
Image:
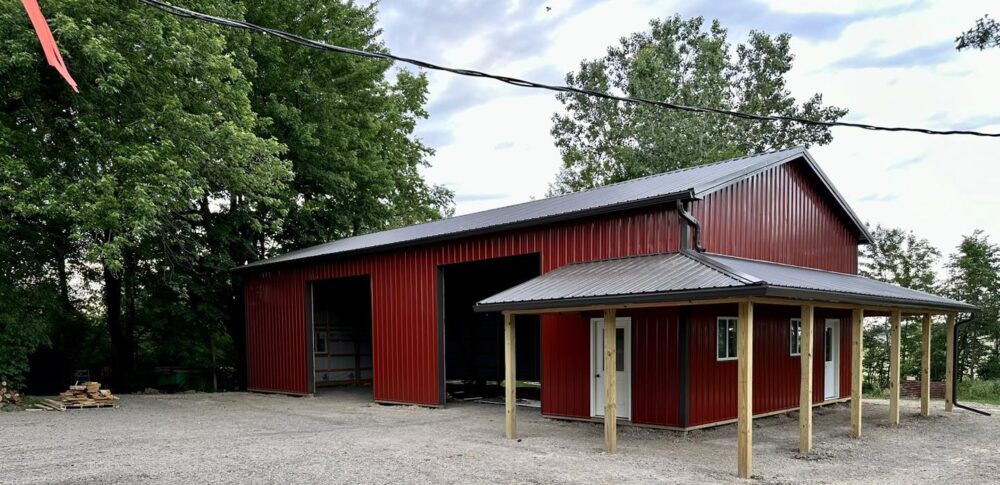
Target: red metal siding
[(776, 371), (404, 314), (566, 366), (655, 367), (778, 215)]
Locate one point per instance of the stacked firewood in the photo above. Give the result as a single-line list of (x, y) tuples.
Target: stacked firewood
[(7, 396), (87, 395)]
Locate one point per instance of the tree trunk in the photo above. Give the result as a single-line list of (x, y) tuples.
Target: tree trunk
[(121, 354), (236, 326), (131, 268)]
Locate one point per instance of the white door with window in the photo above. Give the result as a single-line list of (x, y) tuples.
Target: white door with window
[(831, 359), (623, 346)]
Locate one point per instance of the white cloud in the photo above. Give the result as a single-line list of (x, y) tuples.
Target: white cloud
[(500, 151)]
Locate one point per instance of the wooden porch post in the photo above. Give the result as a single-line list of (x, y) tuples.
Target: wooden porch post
[(925, 368), (510, 377), (949, 372), (744, 353), (610, 381), (894, 368), (806, 382), (857, 355)]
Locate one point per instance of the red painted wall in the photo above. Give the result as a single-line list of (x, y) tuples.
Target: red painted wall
[(776, 372), (566, 377), (655, 366), (778, 215), (404, 314)]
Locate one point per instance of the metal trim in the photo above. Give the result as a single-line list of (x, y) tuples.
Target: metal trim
[(625, 299), (442, 393), (310, 341), (717, 293)]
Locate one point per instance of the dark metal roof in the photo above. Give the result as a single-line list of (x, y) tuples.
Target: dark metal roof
[(689, 276), (680, 184)]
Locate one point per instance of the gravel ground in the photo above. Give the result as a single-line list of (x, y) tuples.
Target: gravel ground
[(341, 437)]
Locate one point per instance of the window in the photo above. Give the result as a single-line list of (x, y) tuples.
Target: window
[(726, 349), (829, 344), (619, 352), (320, 343), (795, 337)]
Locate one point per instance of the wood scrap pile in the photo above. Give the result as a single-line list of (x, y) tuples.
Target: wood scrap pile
[(7, 396), (86, 395)]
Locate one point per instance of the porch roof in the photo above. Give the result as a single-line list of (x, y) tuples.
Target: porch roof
[(689, 276)]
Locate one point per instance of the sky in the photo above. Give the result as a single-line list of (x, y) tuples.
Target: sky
[(890, 62)]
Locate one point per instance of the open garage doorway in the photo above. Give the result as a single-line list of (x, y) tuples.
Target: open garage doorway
[(341, 332), (473, 367)]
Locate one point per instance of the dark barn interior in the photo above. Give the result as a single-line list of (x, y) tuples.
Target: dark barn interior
[(342, 332), (474, 342)]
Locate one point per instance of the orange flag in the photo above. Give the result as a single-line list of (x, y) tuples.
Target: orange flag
[(48, 42)]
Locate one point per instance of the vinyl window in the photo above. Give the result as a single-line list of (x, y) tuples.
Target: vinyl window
[(795, 337), (726, 338)]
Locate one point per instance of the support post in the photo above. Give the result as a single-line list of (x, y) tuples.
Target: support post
[(894, 344), (857, 357), (744, 353), (806, 381), (510, 375), (949, 372), (925, 368), (610, 381)]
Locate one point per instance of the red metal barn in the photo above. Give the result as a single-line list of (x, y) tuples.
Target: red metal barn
[(681, 260)]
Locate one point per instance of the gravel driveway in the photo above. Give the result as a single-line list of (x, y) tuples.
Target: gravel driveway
[(341, 437)]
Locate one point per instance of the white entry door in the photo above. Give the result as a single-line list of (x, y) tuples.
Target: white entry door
[(623, 346), (831, 359)]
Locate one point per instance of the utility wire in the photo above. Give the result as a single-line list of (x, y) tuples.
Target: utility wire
[(239, 24)]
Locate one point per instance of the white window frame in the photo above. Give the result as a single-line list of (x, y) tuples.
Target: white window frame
[(729, 320), (794, 339)]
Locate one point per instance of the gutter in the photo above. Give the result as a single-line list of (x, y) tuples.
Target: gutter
[(683, 211), (954, 376)]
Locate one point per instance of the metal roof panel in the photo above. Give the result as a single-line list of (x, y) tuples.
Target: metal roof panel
[(655, 188)]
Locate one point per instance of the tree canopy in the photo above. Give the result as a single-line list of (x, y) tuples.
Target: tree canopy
[(688, 62), (191, 149), (984, 35)]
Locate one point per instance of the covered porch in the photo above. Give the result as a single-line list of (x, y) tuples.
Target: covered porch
[(689, 279)]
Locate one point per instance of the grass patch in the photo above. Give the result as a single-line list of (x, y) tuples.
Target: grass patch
[(983, 391)]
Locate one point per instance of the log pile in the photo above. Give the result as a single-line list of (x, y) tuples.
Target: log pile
[(7, 396)]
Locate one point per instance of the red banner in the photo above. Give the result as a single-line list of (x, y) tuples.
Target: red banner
[(48, 42)]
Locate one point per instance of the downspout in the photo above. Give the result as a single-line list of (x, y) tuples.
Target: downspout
[(954, 377), (684, 211)]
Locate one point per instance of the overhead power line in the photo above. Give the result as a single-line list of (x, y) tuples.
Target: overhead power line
[(239, 24)]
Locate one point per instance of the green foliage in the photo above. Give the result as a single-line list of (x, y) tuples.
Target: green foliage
[(978, 390), (901, 258), (984, 35), (974, 277), (685, 62), (24, 320), (348, 129), (191, 149)]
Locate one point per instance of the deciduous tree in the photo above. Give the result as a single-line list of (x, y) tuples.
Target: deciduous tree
[(687, 62)]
